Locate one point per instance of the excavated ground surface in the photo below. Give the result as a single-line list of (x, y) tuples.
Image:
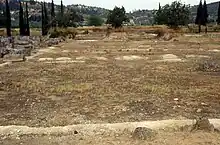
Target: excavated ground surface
[(129, 78)]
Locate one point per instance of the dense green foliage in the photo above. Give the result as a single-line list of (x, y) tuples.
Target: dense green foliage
[(202, 15), (95, 21), (199, 15), (70, 18), (116, 17), (160, 18), (61, 8), (45, 20), (62, 21), (173, 15), (205, 14), (53, 17)]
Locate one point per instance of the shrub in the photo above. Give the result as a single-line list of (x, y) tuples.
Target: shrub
[(173, 15), (216, 28), (71, 33), (116, 17), (161, 32), (165, 34), (54, 34), (95, 21), (15, 32)]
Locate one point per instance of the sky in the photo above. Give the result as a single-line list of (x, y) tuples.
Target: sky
[(129, 5)]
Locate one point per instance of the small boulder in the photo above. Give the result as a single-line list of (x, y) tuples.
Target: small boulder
[(14, 58), (143, 133), (20, 42)]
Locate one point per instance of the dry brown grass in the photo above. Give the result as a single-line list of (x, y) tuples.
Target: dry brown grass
[(15, 32), (112, 90), (2, 32), (123, 29)]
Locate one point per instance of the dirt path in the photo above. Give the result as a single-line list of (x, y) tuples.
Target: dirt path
[(94, 129)]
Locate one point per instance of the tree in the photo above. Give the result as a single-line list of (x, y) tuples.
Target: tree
[(21, 20), (43, 27), (27, 28), (8, 19), (199, 16), (61, 8), (73, 18), (3, 19), (205, 16), (205, 13), (116, 17), (95, 21), (173, 15), (62, 21), (159, 7), (159, 18), (53, 21), (45, 20), (218, 20)]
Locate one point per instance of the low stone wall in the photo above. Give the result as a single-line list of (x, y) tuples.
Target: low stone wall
[(24, 45)]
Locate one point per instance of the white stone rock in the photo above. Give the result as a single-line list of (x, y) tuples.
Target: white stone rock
[(81, 58), (101, 58), (214, 50), (169, 58), (64, 62), (130, 57), (45, 59), (65, 51), (63, 58), (5, 64), (176, 99)]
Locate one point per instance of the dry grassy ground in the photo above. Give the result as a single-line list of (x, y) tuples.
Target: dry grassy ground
[(125, 77)]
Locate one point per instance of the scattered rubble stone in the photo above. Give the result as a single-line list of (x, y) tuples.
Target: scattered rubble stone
[(209, 66), (24, 45), (203, 124), (143, 133)]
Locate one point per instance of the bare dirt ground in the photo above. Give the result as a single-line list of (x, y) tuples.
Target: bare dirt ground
[(127, 77)]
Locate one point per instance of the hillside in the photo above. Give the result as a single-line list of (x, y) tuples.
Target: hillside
[(146, 16), (139, 17)]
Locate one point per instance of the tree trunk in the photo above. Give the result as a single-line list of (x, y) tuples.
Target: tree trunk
[(27, 22), (199, 28), (206, 29), (8, 19)]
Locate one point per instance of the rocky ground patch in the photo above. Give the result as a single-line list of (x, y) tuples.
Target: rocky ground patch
[(22, 46)]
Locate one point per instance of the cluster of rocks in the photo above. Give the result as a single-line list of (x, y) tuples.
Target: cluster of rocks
[(24, 45), (209, 66)]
